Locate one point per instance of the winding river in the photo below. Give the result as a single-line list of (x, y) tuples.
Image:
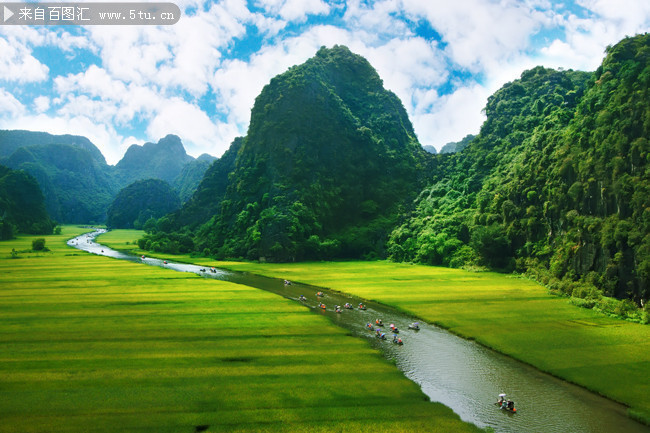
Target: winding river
[(458, 373)]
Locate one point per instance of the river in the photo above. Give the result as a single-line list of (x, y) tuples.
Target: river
[(459, 373)]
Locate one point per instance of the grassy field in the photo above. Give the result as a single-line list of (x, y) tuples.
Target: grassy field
[(512, 315), (92, 344)]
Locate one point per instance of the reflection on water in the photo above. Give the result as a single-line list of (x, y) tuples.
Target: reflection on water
[(458, 373)]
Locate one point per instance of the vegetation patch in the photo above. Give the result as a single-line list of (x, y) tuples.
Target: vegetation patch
[(90, 344)]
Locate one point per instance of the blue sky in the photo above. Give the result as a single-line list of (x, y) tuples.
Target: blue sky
[(120, 85)]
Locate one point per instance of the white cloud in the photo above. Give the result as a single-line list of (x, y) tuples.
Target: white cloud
[(9, 105), (369, 17), (293, 10), (451, 117), (480, 35), (18, 64), (41, 104)]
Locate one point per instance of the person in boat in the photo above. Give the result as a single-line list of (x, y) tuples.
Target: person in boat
[(165, 262), (394, 328), (320, 294), (379, 322), (362, 307), (415, 326), (369, 326), (397, 340), (287, 282), (321, 305), (302, 298)]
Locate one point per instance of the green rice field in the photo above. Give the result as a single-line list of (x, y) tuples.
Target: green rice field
[(515, 316), (93, 344)]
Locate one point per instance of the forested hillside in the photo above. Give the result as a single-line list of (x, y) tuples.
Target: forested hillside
[(556, 183), (135, 204), (78, 188), (329, 161), (77, 183), (22, 207)]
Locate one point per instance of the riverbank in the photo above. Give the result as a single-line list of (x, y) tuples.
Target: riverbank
[(511, 315), (93, 344)]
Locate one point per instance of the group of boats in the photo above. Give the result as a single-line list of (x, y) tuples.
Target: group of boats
[(377, 327)]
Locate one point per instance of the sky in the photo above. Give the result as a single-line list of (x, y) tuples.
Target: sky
[(198, 78)]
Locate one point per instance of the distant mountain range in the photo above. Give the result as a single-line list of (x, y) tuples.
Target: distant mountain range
[(79, 185)]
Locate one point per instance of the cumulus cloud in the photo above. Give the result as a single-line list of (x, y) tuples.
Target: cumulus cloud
[(451, 117), (41, 104), (9, 105), (293, 10), (18, 64)]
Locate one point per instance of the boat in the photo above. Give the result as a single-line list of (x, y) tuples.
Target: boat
[(348, 306), (362, 307), (397, 340), (506, 404), (320, 294), (415, 326)]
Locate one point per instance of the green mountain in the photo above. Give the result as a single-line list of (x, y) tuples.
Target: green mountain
[(206, 201), (140, 201), (191, 175), (77, 183), (78, 188), (429, 148), (22, 207), (12, 140), (163, 160), (556, 183), (457, 146), (329, 161)]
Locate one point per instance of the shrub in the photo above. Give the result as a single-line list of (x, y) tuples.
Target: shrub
[(38, 244)]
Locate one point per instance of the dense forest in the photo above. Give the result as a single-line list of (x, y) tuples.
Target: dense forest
[(141, 201), (22, 206), (556, 184)]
